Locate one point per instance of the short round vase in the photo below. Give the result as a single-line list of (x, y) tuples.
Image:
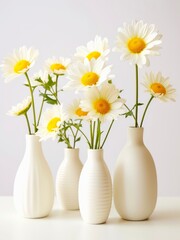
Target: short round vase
[(67, 180), (95, 189), (33, 185), (135, 180)]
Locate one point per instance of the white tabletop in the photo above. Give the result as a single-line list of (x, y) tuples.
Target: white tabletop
[(164, 224)]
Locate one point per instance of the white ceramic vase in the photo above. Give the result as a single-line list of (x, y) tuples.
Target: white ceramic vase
[(33, 185), (95, 189), (67, 180), (135, 180)]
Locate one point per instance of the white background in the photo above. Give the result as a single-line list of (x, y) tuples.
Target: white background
[(56, 28)]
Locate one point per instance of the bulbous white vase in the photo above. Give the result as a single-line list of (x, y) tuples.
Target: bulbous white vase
[(135, 180), (67, 180), (95, 189), (33, 185)]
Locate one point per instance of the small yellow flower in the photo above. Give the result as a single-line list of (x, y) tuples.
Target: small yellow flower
[(94, 49), (21, 108), (51, 120), (159, 87), (74, 111), (57, 65), (20, 62)]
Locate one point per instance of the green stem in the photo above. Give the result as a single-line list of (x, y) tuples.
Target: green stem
[(55, 95), (90, 146), (129, 111), (98, 134), (107, 133), (74, 138), (92, 133), (40, 112), (151, 98), (80, 121), (137, 88), (33, 103), (28, 124), (99, 143), (56, 87), (67, 141), (93, 130)]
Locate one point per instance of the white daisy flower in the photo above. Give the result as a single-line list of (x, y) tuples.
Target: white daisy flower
[(74, 111), (52, 118), (159, 87), (43, 75), (138, 40), (103, 103), (57, 65), (87, 74), (94, 49), (21, 108), (20, 62)]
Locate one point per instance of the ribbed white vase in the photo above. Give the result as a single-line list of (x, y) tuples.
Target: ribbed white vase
[(95, 189), (135, 180), (67, 180), (33, 185)]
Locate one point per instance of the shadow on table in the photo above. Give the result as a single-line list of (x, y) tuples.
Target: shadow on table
[(62, 214), (158, 216)]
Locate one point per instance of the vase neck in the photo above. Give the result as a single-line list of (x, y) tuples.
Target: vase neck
[(95, 154), (33, 146), (32, 141), (71, 153), (135, 135)]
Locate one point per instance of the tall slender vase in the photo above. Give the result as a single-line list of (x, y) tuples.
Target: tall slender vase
[(67, 180), (135, 181), (33, 185), (95, 189)]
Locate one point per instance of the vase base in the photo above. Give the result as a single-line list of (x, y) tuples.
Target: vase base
[(94, 223), (34, 217), (135, 220)]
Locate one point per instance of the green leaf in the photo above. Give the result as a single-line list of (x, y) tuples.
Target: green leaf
[(50, 81), (39, 80), (27, 85), (128, 114), (50, 100), (78, 139), (110, 81), (140, 104)]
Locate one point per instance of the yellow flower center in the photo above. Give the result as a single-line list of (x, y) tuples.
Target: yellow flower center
[(101, 106), (93, 55), (79, 112), (89, 79), (57, 66), (52, 125), (158, 88), (21, 65), (136, 45)]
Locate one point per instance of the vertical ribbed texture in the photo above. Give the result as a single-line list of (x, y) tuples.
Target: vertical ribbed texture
[(67, 180), (95, 189), (135, 180), (33, 185)]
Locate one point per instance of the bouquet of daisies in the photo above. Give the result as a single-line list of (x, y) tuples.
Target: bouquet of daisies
[(45, 82), (88, 74)]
